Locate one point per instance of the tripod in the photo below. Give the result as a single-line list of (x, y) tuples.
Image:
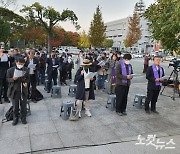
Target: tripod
[(174, 75)]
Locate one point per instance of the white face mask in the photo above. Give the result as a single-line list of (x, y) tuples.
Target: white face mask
[(19, 66), (127, 62)]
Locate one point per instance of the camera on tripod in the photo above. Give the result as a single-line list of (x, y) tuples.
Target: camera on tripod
[(175, 63)]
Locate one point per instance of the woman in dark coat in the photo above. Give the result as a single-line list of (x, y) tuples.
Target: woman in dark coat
[(85, 88)]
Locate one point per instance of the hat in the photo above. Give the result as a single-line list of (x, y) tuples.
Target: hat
[(86, 62)]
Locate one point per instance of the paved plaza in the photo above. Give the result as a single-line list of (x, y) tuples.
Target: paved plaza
[(104, 133)]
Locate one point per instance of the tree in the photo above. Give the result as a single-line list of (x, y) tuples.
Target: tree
[(74, 38), (97, 29), (164, 17), (4, 31), (108, 43), (84, 40), (134, 31), (16, 24), (35, 35), (58, 37), (49, 17)]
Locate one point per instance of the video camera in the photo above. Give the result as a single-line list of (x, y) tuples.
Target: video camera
[(175, 63)]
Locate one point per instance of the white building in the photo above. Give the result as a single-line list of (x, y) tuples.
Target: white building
[(117, 31)]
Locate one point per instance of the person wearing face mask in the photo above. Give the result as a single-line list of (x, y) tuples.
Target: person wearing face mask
[(85, 87), (112, 74), (33, 72), (124, 73), (154, 76), (102, 72), (79, 60), (18, 90), (70, 66), (53, 64)]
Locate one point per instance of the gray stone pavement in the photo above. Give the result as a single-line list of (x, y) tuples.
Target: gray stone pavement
[(46, 132)]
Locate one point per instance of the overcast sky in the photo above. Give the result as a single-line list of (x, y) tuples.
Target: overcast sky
[(84, 9)]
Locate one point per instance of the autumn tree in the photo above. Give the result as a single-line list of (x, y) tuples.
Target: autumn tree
[(84, 40), (58, 37), (49, 17), (35, 35), (164, 17), (97, 29), (134, 31)]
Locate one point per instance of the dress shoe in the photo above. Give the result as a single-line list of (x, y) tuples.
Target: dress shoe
[(15, 121), (120, 114), (148, 112), (156, 112), (6, 100), (24, 121), (124, 113)]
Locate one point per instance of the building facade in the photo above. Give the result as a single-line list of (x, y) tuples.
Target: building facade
[(117, 31)]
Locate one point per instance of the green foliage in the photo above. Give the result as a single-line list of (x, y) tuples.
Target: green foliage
[(164, 16), (108, 43), (97, 29), (134, 30), (13, 24), (4, 31)]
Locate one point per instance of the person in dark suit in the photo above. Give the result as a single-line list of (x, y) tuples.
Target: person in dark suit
[(124, 73), (42, 66), (18, 90), (85, 88), (53, 64), (154, 76), (4, 66), (33, 74), (63, 69)]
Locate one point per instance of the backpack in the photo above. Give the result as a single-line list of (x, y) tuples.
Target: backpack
[(8, 115), (37, 95)]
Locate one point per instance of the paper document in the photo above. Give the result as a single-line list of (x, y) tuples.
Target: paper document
[(18, 73), (90, 75), (31, 65), (4, 58), (101, 63), (55, 66)]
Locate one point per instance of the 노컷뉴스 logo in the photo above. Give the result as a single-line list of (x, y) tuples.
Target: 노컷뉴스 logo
[(159, 144)]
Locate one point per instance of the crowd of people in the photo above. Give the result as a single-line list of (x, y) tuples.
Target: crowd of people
[(21, 72)]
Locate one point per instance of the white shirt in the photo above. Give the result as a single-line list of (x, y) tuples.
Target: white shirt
[(31, 71), (87, 81)]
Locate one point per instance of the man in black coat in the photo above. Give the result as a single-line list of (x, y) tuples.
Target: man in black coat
[(85, 88), (53, 64), (33, 72), (18, 90), (4, 66), (154, 76)]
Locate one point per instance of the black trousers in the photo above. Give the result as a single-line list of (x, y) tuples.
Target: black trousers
[(32, 84), (3, 88), (19, 105), (152, 96), (63, 75), (121, 98), (51, 77)]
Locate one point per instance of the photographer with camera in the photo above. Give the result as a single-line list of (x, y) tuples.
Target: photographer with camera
[(154, 76)]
